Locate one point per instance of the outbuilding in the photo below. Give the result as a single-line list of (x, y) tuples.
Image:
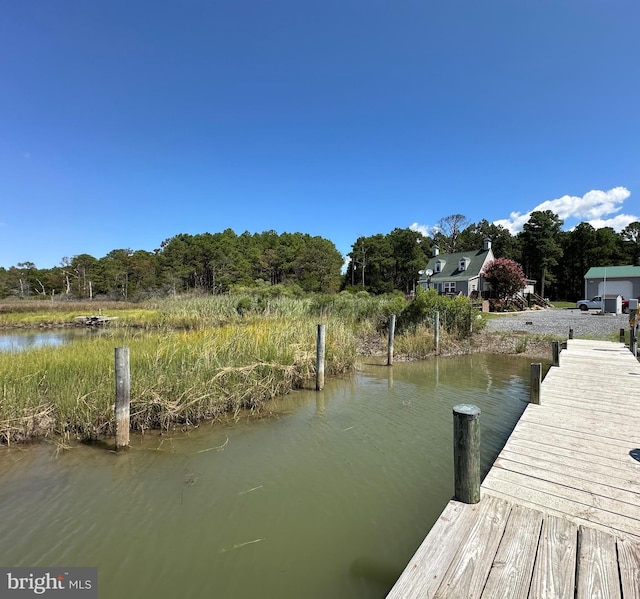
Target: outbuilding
[(612, 280)]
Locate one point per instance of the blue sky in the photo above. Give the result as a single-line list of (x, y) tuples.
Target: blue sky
[(125, 123)]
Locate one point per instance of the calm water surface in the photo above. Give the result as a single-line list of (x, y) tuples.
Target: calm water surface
[(329, 496), (15, 341)]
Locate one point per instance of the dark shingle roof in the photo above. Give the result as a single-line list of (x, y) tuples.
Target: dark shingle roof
[(451, 270)]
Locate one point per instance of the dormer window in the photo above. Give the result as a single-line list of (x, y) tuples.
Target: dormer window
[(464, 263), (440, 265)]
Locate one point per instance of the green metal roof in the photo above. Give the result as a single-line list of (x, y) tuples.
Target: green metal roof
[(613, 272), (451, 271)]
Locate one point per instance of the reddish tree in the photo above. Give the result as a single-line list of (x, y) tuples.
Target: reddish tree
[(505, 277)]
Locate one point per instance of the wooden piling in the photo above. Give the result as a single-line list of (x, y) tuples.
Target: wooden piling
[(555, 352), (622, 336), (123, 397), (392, 332), (466, 452), (436, 332), (570, 333), (320, 349), (536, 383)]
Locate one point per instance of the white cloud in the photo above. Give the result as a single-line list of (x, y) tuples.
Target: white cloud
[(424, 229), (617, 223), (591, 207)]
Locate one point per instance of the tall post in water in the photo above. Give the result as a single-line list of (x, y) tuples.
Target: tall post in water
[(392, 332), (466, 452), (570, 333), (622, 339), (320, 345), (536, 383), (555, 352), (123, 397), (436, 332)]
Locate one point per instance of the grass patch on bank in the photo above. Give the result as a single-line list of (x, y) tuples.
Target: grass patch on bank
[(176, 377), (196, 357)]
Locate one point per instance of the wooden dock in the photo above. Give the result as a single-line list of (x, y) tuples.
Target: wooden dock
[(560, 509)]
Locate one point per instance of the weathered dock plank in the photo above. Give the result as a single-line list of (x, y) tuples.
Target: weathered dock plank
[(629, 562), (555, 567), (597, 566), (468, 572), (423, 575), (510, 575), (584, 471), (567, 476), (560, 509), (588, 507)]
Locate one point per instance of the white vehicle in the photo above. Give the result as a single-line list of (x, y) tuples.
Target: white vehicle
[(594, 303)]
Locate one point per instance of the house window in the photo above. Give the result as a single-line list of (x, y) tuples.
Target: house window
[(438, 266), (449, 287)]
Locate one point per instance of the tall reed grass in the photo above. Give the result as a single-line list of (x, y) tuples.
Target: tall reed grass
[(195, 357), (177, 377)]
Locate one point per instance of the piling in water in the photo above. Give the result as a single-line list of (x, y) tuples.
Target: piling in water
[(320, 348), (536, 382), (392, 332), (466, 452), (123, 397), (555, 352)]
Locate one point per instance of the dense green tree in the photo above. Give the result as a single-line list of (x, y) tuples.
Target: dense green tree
[(631, 242), (213, 263), (541, 249), (503, 244), (317, 266), (579, 249), (610, 250), (116, 269), (4, 282), (371, 264), (80, 276), (381, 263), (410, 252)]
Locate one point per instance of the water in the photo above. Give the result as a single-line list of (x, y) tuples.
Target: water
[(327, 496), (25, 340)]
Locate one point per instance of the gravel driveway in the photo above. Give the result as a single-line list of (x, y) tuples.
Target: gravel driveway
[(558, 322)]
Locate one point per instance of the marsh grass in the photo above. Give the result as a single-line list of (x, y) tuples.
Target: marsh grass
[(192, 358), (176, 377)]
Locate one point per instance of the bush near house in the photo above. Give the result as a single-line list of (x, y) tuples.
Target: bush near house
[(505, 276)]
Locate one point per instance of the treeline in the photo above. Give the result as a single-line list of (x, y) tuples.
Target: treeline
[(207, 262), (557, 260), (298, 263)]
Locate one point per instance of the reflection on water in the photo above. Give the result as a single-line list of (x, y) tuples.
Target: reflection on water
[(24, 340), (328, 495)]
